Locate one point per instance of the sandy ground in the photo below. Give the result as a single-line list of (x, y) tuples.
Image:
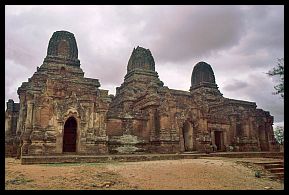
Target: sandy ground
[(190, 174)]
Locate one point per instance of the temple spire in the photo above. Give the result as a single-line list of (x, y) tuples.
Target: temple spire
[(62, 49), (141, 58)]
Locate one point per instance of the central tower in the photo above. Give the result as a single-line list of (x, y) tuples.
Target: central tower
[(140, 76), (141, 58), (141, 67)]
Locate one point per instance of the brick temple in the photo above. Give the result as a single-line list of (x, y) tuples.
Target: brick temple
[(62, 112)]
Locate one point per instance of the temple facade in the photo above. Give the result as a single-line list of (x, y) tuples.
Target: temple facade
[(62, 112)]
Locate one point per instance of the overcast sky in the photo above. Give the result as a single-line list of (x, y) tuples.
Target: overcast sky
[(241, 43)]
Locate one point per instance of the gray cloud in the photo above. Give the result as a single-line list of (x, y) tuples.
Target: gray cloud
[(198, 31), (265, 26), (240, 42), (235, 85)]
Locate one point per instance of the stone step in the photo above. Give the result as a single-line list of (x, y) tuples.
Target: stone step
[(276, 170), (276, 157), (77, 158), (270, 176), (270, 162), (191, 152), (279, 175), (270, 166), (273, 176)]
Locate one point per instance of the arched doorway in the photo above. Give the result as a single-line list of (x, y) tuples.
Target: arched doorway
[(69, 136), (188, 136)]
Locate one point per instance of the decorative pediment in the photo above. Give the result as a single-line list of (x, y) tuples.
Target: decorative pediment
[(70, 105)]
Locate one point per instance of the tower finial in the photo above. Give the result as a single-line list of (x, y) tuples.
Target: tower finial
[(62, 48), (141, 58)]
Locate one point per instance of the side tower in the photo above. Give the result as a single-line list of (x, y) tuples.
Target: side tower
[(60, 110), (204, 94), (203, 76), (230, 123), (11, 118)]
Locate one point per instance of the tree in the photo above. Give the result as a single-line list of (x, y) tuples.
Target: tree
[(279, 134), (278, 71)]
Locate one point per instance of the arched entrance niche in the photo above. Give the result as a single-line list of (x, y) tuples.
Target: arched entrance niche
[(70, 135), (188, 136)]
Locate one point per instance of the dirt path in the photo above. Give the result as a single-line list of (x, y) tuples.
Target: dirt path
[(166, 174)]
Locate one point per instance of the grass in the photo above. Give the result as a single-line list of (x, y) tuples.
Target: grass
[(61, 164), (18, 181)]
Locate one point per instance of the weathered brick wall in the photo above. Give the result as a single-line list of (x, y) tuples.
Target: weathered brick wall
[(114, 127), (143, 116)]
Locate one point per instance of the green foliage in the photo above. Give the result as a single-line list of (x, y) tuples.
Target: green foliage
[(278, 71), (279, 134), (258, 174)]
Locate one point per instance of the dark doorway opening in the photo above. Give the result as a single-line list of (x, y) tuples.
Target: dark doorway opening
[(263, 138), (218, 140), (188, 136), (69, 137)]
